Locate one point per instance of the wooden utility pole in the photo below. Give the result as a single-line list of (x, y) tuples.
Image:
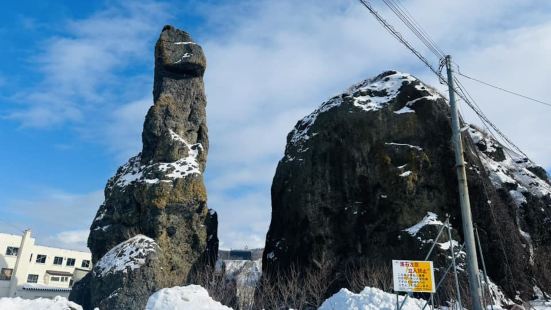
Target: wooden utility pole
[(468, 234)]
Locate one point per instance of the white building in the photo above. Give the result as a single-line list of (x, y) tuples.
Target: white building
[(28, 270)]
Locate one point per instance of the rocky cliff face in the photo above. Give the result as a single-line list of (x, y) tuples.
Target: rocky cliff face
[(154, 226), (369, 177)]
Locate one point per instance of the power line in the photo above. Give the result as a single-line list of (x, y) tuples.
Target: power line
[(459, 92), (410, 23), (398, 36), (469, 100), (503, 89), (407, 13)]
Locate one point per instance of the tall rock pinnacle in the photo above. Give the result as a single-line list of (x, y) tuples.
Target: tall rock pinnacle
[(154, 226)]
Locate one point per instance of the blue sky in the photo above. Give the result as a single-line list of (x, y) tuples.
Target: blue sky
[(76, 80)]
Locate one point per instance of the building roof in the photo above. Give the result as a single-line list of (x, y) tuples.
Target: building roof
[(40, 287), (59, 273)]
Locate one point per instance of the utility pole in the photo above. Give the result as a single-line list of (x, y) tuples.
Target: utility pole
[(468, 234)]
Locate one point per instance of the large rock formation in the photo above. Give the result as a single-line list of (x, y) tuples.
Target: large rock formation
[(154, 226), (369, 177)]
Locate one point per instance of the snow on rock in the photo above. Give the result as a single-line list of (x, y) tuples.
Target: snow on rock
[(134, 171), (243, 272), (498, 297), (429, 219), (369, 95), (509, 169), (540, 305), (375, 94), (405, 174), (192, 297), (369, 298), (418, 148), (130, 254), (57, 303)]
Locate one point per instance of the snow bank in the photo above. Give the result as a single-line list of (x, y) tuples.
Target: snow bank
[(369, 299), (58, 303), (130, 254), (192, 297)]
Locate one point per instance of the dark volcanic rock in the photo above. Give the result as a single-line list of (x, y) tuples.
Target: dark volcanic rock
[(154, 225), (376, 160)]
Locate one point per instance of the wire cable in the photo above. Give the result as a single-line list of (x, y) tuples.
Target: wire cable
[(414, 27), (411, 27), (503, 89), (408, 14), (469, 100), (398, 36), (461, 94)]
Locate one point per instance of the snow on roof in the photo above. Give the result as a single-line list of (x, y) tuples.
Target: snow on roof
[(57, 303), (369, 298), (368, 95), (134, 171), (183, 297), (130, 254), (429, 219)]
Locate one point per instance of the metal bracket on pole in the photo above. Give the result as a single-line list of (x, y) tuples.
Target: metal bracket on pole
[(403, 301), (443, 277), (458, 292), (484, 269), (434, 242)]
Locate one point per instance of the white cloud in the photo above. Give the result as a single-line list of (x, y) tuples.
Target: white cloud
[(272, 62), (124, 127), (72, 239), (276, 61), (82, 68), (56, 217), (242, 219)]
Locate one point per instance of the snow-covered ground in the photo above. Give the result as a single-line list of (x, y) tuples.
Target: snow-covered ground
[(58, 303), (183, 297), (195, 297), (369, 299)]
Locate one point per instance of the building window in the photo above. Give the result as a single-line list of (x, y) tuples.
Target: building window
[(54, 279), (85, 263), (58, 260), (32, 278), (12, 251), (70, 262), (41, 259), (5, 274)]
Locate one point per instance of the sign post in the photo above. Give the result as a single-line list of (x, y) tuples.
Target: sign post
[(413, 276)]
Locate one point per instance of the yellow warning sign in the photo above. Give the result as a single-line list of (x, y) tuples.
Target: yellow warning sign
[(413, 276)]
